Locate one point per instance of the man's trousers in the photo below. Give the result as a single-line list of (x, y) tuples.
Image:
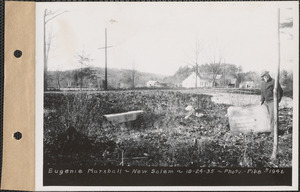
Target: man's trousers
[(270, 106)]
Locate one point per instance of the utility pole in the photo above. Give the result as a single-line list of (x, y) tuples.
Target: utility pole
[(105, 71), (275, 92)]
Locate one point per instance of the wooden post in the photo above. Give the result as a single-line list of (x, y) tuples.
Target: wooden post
[(275, 144), (122, 163)]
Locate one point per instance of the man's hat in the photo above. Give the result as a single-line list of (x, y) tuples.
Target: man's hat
[(264, 73)]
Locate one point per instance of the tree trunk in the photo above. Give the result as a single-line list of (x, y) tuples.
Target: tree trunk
[(81, 78), (58, 84), (105, 85), (275, 144), (196, 72), (133, 79)]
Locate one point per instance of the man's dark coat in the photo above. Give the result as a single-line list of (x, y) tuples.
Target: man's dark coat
[(267, 91)]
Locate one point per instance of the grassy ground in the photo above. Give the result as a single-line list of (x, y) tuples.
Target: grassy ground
[(159, 137)]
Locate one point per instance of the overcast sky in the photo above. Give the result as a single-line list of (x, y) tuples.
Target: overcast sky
[(161, 37)]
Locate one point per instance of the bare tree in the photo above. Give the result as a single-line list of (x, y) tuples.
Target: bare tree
[(216, 69), (69, 81), (58, 77), (130, 77), (229, 71), (99, 78), (133, 75), (48, 16), (197, 53), (195, 61), (83, 60), (215, 65)]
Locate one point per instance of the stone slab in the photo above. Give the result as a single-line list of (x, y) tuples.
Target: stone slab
[(253, 118), (123, 117)]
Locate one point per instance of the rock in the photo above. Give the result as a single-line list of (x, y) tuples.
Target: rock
[(199, 114), (189, 108), (188, 114)]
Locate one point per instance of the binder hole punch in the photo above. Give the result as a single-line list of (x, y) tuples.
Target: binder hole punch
[(18, 53), (17, 135)]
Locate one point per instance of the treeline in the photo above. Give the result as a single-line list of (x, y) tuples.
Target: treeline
[(286, 81), (91, 77), (227, 71)]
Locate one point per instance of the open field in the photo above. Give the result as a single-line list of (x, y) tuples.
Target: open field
[(160, 136), (237, 97)]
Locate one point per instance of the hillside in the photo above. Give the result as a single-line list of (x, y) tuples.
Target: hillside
[(93, 77)]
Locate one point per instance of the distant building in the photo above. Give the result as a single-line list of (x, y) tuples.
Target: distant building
[(152, 83), (247, 84), (177, 84), (163, 85), (203, 80), (157, 84), (231, 82)]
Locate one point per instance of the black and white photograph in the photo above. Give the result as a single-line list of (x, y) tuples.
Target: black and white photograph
[(167, 94)]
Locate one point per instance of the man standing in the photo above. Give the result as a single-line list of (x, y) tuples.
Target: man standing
[(267, 98)]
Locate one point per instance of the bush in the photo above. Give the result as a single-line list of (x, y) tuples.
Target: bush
[(159, 137)]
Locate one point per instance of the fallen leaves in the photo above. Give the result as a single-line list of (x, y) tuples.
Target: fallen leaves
[(161, 135)]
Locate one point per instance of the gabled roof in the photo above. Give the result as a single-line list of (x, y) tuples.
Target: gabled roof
[(205, 76), (209, 76)]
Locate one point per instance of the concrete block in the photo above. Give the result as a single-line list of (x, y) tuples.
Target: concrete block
[(245, 119)]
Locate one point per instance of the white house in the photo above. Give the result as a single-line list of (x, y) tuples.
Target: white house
[(190, 81), (152, 83), (203, 80)]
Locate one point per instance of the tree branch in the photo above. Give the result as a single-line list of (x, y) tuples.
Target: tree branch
[(55, 16), (50, 12)]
